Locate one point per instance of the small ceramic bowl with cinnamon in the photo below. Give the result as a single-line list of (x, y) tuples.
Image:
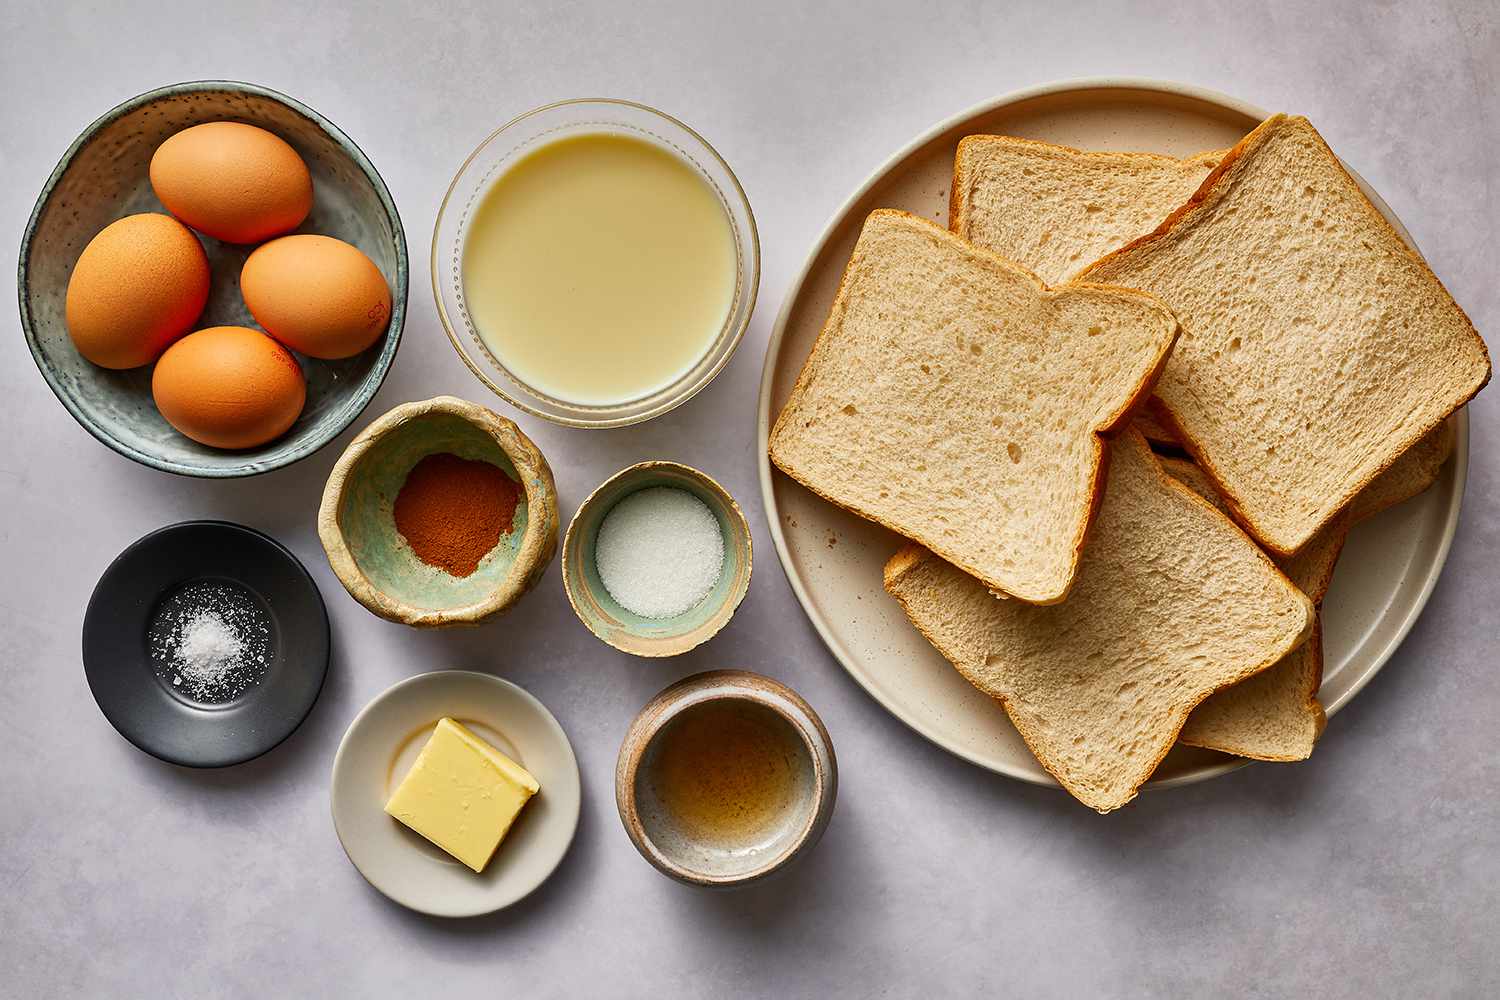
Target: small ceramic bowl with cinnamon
[(439, 513)]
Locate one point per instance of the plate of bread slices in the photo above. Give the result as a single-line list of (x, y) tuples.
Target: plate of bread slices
[(1113, 435)]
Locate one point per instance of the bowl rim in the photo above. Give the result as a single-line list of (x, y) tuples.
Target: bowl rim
[(667, 406), (727, 685), (669, 645), (373, 381), (538, 543)]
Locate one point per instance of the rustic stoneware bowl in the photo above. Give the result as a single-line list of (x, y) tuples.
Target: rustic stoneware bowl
[(373, 561), (623, 629), (688, 857), (103, 177)]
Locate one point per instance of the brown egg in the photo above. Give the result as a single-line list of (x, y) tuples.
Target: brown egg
[(139, 285), (317, 295), (229, 387), (232, 181)]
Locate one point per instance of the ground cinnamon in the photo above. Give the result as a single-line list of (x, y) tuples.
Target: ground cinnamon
[(452, 511)]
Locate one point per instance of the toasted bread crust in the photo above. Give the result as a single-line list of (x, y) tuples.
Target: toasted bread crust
[(1099, 442)]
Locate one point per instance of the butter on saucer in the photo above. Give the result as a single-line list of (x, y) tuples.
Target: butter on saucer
[(462, 794)]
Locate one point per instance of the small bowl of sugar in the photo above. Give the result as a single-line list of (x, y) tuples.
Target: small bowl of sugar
[(657, 559)]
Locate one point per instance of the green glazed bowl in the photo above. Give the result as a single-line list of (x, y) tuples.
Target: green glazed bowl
[(103, 177), (371, 559), (625, 630)]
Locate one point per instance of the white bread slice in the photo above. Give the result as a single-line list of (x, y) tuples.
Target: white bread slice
[(1316, 346), (1163, 431), (1409, 475), (1056, 209), (1153, 428), (958, 401), (1172, 603), (1310, 568), (1274, 715), (1416, 470)]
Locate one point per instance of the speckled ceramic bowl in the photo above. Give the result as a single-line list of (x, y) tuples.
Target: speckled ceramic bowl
[(103, 177), (372, 560), (686, 855), (625, 630)]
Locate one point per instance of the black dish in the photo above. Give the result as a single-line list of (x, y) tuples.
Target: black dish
[(127, 680)]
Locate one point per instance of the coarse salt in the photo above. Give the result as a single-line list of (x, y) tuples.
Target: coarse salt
[(207, 648), (659, 552), (211, 641)]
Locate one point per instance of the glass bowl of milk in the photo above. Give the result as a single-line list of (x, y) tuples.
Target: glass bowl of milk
[(595, 262)]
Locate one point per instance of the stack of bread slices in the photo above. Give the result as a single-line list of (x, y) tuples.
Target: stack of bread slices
[(1007, 395)]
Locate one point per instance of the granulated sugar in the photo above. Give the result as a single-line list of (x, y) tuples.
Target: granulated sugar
[(211, 641), (659, 552)]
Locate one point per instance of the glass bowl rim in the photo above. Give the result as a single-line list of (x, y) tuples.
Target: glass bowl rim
[(666, 404)]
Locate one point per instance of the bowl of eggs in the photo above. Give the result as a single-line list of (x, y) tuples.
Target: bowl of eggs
[(213, 280)]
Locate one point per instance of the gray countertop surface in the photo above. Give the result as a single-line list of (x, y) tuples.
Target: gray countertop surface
[(1371, 870)]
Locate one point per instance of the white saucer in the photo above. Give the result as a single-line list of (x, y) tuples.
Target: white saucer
[(380, 746)]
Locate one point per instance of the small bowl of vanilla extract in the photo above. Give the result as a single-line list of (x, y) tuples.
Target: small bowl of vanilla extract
[(725, 778)]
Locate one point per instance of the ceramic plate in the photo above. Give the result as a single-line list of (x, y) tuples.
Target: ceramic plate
[(250, 578), (379, 748), (834, 559)]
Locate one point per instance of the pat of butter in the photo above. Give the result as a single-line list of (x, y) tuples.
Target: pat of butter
[(462, 794)]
